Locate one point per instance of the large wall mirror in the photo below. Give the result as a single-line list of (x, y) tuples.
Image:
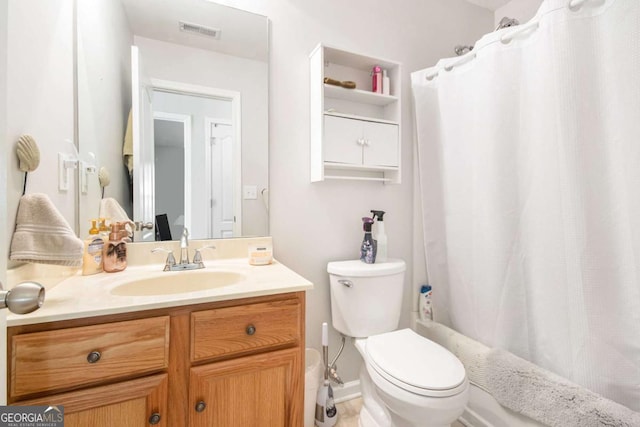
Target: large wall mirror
[(173, 113)]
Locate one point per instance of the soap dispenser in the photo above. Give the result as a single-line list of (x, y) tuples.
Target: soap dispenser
[(92, 261), (381, 237), (368, 247), (115, 251)]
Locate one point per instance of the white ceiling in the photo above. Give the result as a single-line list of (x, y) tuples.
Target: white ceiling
[(489, 4), (243, 33)]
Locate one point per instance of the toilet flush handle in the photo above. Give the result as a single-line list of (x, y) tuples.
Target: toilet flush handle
[(345, 282)]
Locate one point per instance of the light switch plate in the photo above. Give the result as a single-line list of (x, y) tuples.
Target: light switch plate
[(250, 192)]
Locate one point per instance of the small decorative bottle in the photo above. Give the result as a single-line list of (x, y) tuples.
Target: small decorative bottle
[(376, 79), (115, 251), (426, 312)]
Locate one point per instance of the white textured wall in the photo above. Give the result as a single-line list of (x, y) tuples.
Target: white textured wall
[(104, 99), (522, 10), (313, 224), (39, 97)]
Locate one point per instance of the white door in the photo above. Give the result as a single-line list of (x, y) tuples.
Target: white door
[(143, 153), (221, 175)]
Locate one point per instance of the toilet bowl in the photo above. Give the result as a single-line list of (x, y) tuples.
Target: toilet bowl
[(407, 380), (419, 382)]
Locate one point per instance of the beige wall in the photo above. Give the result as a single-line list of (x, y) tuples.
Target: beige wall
[(522, 10), (311, 224), (40, 97)]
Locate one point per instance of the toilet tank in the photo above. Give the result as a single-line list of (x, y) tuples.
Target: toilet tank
[(366, 298)]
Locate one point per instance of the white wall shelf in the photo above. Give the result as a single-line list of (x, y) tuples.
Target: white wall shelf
[(357, 117), (355, 133), (358, 95)]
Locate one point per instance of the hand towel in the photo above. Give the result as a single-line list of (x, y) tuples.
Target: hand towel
[(127, 146), (42, 235), (111, 210)]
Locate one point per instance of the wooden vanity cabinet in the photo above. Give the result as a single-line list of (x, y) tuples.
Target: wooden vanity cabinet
[(233, 363)]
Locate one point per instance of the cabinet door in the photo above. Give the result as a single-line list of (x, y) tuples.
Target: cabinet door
[(343, 140), (264, 390), (381, 146), (135, 403)]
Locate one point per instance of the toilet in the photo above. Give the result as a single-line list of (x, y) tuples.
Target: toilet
[(406, 380)]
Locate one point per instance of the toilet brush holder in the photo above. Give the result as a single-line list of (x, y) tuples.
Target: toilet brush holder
[(326, 412)]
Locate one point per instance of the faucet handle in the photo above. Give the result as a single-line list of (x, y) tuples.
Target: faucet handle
[(171, 260), (197, 257)]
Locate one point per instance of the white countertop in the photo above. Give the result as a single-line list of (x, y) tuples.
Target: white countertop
[(88, 296)]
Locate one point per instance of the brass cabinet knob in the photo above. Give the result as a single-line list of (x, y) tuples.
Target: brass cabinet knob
[(94, 356), (154, 418), (251, 330), (200, 406)]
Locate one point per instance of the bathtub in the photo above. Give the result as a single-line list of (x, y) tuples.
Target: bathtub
[(482, 410)]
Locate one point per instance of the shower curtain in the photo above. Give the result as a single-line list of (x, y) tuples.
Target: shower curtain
[(529, 167)]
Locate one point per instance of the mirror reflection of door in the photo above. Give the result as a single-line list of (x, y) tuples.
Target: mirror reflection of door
[(220, 171), (197, 187)]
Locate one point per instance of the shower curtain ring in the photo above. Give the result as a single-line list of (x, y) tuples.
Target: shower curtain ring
[(431, 76), (576, 5)]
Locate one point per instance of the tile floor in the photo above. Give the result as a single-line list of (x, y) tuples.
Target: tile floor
[(348, 414)]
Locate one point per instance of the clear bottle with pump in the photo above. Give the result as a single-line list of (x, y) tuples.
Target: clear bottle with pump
[(381, 237), (92, 262), (115, 251), (368, 247)]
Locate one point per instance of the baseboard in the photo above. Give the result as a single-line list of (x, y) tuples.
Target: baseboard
[(350, 390)]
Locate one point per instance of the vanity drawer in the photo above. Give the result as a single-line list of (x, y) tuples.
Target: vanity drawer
[(67, 358), (243, 329)]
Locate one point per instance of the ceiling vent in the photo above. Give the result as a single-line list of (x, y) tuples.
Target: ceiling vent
[(213, 33)]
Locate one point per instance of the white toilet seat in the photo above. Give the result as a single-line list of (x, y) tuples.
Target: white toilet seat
[(415, 364)]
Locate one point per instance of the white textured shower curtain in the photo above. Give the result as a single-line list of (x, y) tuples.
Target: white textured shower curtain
[(529, 154)]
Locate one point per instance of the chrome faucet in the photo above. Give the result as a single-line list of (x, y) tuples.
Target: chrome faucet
[(184, 246), (184, 264)]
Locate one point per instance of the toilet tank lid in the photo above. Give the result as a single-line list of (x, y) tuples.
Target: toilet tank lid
[(357, 268)]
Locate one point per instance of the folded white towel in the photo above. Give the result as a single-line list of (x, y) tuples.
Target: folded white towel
[(42, 235), (112, 211)]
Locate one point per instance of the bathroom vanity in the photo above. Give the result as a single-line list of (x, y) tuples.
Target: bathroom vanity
[(231, 355)]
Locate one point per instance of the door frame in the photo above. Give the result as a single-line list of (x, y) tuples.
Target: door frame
[(237, 171), (185, 119)]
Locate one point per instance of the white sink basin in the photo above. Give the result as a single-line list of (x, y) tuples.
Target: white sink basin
[(178, 282)]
